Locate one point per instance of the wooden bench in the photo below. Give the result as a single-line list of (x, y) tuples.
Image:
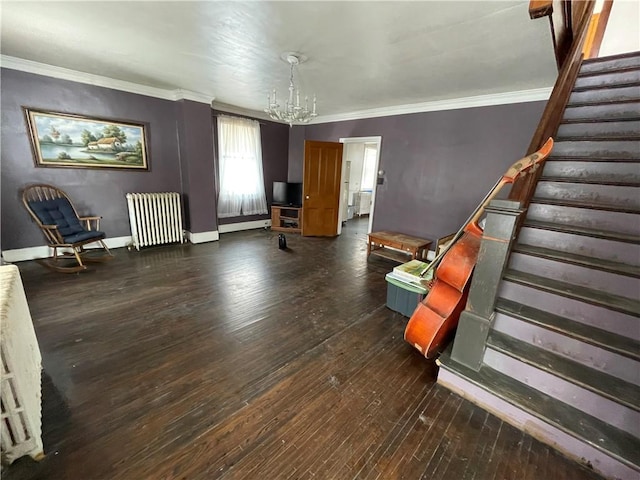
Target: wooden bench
[(398, 246)]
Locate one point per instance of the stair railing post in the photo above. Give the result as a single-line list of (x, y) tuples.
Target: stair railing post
[(475, 321)]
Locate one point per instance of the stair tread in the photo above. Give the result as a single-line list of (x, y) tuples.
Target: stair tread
[(611, 57), (611, 130), (600, 142), (585, 231), (625, 137), (611, 83), (592, 180), (591, 103), (593, 431), (604, 149), (609, 301), (613, 63), (615, 136), (629, 124), (612, 137), (602, 113), (607, 386), (586, 333), (600, 119), (576, 259), (613, 94), (586, 158), (580, 204)]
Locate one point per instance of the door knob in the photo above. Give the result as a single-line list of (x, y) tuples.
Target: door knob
[(307, 197)]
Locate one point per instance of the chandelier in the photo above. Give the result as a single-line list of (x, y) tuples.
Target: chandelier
[(293, 112)]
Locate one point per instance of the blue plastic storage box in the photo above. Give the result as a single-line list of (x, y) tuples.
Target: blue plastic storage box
[(403, 297)]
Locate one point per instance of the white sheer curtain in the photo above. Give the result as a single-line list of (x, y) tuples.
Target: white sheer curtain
[(240, 162), (368, 167)]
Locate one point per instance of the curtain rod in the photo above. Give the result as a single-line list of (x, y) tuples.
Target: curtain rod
[(239, 116)]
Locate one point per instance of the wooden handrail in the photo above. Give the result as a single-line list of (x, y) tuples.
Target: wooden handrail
[(540, 8), (552, 116)]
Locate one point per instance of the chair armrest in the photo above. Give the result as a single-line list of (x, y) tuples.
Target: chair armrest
[(90, 219), (52, 233)]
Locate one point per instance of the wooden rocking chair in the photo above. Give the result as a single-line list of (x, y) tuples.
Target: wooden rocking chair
[(56, 216)]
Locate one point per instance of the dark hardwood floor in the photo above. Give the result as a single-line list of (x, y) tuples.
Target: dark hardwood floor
[(236, 360)]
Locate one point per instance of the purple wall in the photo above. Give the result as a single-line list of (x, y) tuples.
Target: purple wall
[(438, 165), (93, 191), (195, 140), (181, 153), (296, 152), (275, 161)]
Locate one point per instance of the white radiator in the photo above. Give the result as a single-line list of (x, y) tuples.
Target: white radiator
[(20, 381), (155, 218), (362, 202)]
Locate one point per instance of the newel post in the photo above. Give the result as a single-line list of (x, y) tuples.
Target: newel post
[(475, 321)]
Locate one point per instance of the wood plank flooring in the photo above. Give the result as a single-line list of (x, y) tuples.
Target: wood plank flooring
[(237, 360)]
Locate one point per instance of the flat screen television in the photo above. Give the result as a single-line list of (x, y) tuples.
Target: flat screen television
[(288, 194)]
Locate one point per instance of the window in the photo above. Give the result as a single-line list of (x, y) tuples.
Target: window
[(240, 162), (368, 167)]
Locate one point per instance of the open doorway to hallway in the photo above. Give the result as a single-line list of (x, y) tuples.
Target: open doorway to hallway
[(360, 162)]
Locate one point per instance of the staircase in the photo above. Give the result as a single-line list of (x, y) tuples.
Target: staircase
[(562, 358)]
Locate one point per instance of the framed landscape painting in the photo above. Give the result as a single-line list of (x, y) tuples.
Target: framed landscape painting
[(74, 141)]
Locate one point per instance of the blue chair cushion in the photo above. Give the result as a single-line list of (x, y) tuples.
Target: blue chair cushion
[(59, 212), (84, 235)]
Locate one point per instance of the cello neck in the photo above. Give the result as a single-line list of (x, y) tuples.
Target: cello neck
[(517, 169), (475, 216), (471, 223)]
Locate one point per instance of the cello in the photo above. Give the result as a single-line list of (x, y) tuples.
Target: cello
[(436, 317)]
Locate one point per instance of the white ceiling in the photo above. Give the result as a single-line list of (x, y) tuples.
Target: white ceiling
[(361, 55)]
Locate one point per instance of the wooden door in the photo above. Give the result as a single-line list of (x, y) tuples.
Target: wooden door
[(321, 188)]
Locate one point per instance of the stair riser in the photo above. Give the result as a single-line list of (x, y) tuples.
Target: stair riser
[(613, 172), (580, 398), (608, 282), (613, 149), (626, 223), (608, 79), (606, 195), (622, 111), (616, 322), (609, 65), (605, 95), (586, 354), (623, 252), (627, 129)]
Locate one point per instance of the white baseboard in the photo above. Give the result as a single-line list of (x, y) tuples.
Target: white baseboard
[(34, 253), (202, 237), (237, 227)]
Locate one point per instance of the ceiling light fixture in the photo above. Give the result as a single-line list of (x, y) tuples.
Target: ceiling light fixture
[(293, 112)]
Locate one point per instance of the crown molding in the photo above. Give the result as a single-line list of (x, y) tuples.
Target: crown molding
[(14, 63), (29, 66), (181, 94), (521, 96), (226, 108)]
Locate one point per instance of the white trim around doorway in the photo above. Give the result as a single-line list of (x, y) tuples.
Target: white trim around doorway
[(378, 142)]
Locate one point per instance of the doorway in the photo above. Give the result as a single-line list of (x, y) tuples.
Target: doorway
[(360, 165)]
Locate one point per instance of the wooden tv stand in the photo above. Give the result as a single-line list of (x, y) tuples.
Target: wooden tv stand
[(286, 219)]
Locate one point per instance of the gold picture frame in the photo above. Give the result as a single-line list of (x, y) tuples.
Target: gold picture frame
[(74, 141)]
